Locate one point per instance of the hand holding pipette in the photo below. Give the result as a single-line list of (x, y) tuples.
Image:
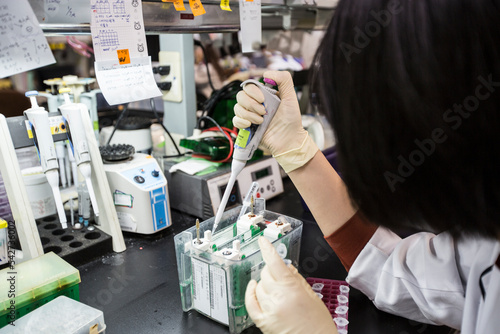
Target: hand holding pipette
[(249, 139)]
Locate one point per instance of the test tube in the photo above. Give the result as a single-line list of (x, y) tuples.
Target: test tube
[(344, 290), (341, 322), (80, 203), (318, 287), (85, 206), (342, 299), (341, 310), (71, 212)]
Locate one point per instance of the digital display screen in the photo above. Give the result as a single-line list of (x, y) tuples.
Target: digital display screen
[(234, 196), (259, 174)]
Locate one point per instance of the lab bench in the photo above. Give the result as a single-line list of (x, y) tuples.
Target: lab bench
[(138, 290)]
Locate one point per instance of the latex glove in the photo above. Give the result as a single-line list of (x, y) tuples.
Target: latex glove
[(283, 302), (285, 137)]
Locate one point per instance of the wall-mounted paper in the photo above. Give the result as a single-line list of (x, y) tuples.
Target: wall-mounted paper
[(117, 25), (251, 24), (128, 82), (62, 11), (23, 46)]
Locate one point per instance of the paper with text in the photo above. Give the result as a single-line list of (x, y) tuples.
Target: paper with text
[(23, 46), (251, 24), (117, 25), (128, 82), (65, 11)]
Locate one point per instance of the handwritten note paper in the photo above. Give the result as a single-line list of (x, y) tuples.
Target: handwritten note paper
[(123, 68), (117, 25), (23, 46), (179, 5), (126, 83), (251, 24), (64, 11), (196, 7)]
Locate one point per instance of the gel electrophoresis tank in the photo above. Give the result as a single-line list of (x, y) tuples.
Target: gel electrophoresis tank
[(214, 270)]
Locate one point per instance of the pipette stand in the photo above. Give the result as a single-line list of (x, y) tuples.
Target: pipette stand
[(13, 135), (18, 197)]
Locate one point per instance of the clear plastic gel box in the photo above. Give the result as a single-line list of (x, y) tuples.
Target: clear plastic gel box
[(215, 285)]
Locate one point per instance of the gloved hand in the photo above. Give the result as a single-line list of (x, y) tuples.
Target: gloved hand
[(283, 302), (285, 137)]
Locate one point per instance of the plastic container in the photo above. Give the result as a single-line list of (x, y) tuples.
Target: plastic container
[(39, 192), (212, 148), (27, 157), (336, 298), (215, 286), (53, 318), (36, 282)]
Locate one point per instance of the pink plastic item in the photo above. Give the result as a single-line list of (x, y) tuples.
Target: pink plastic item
[(270, 82), (336, 298)]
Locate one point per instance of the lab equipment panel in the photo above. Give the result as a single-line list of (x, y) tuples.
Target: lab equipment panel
[(200, 195), (140, 195)]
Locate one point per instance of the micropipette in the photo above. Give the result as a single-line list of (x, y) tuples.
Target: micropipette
[(249, 139), (78, 142), (38, 119)]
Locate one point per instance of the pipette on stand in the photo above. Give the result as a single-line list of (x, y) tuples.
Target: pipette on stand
[(61, 155), (38, 119), (248, 140), (78, 141)]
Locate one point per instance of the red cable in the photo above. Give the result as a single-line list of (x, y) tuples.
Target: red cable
[(228, 136), (233, 131)]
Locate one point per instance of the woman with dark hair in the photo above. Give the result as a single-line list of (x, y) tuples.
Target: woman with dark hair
[(413, 91)]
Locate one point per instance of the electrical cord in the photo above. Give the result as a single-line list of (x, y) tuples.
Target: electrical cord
[(206, 63), (228, 136), (153, 108), (227, 92), (124, 111), (233, 132)]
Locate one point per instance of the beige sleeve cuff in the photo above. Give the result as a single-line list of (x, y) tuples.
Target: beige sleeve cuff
[(298, 157)]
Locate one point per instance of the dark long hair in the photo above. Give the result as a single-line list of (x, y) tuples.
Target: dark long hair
[(412, 89)]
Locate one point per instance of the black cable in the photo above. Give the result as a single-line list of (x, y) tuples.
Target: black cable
[(226, 92), (211, 120), (153, 108), (124, 111), (206, 63)]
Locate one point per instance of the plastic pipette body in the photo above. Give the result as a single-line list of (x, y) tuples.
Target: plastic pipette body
[(78, 139), (236, 168), (248, 141), (38, 118)]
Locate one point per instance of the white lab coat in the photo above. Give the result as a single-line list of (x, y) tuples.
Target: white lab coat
[(432, 279)]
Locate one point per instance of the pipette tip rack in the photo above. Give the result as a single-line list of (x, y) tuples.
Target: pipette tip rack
[(75, 246)]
